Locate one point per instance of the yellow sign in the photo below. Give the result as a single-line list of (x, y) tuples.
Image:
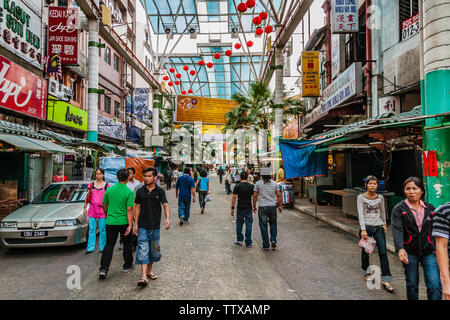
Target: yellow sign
[(207, 110), (106, 15), (212, 129), (310, 74)]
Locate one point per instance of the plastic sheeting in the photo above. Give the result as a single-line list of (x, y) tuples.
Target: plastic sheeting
[(300, 160), (112, 165)]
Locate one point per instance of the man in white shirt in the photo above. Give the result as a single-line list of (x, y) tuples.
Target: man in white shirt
[(132, 182), (175, 174)]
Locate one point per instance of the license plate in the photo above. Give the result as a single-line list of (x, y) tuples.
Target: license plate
[(34, 234)]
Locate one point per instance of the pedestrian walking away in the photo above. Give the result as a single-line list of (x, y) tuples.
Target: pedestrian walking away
[(149, 199), (118, 205), (220, 173), (250, 178), (168, 178), (414, 242), (243, 193), (441, 232), (269, 196), (372, 220), (96, 214), (184, 188), (203, 189), (228, 180)]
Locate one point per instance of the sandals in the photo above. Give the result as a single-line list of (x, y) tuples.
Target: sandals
[(152, 276), (142, 283), (388, 286)]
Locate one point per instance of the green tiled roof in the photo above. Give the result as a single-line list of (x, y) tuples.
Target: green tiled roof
[(385, 118), (65, 139), (21, 130)]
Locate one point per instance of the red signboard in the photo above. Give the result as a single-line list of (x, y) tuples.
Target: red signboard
[(63, 34), (430, 164), (21, 90)]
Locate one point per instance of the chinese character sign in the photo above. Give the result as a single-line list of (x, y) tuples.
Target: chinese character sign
[(310, 74), (63, 34), (344, 16), (140, 102)]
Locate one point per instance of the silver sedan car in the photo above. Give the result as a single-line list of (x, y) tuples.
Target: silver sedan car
[(54, 218)]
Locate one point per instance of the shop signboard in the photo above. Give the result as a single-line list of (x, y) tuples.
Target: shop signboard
[(21, 90), (111, 128), (310, 74), (207, 110), (344, 16), (63, 34), (66, 114), (346, 85), (141, 102), (290, 131), (21, 30), (390, 104), (410, 27)]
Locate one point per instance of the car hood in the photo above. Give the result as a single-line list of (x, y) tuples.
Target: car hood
[(46, 212)]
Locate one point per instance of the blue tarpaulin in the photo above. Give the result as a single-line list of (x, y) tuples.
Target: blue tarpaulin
[(111, 166), (300, 160)]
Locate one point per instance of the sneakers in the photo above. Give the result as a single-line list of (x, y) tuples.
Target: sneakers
[(249, 246), (181, 221), (102, 274), (265, 249), (274, 245), (126, 270), (238, 242)]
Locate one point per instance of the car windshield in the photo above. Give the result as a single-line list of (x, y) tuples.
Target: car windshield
[(58, 193)]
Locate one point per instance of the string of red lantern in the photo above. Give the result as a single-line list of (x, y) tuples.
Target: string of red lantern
[(250, 3), (172, 70), (242, 7), (170, 83), (259, 31), (249, 43), (183, 92), (190, 91), (185, 68), (257, 20), (165, 78), (209, 65), (217, 55), (177, 82), (192, 72), (201, 63), (237, 46), (263, 15), (268, 29), (228, 53)]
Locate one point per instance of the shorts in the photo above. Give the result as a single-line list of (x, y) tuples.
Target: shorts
[(148, 249)]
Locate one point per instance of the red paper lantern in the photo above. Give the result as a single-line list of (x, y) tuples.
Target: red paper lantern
[(228, 53), (249, 43), (172, 70), (190, 91), (259, 31), (242, 7), (178, 75), (237, 46), (217, 55), (268, 29), (170, 83), (263, 15), (192, 72), (250, 3), (185, 68), (257, 20), (209, 65), (177, 82), (165, 78), (201, 63), (183, 92)]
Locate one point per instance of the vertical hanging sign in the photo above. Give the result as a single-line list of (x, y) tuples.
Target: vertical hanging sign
[(310, 74), (430, 167), (63, 34), (344, 16)]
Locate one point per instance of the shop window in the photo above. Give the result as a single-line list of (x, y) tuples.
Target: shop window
[(361, 39), (73, 86), (116, 109), (349, 49), (116, 62), (107, 104), (107, 57)]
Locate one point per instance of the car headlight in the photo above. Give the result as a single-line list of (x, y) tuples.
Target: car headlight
[(7, 224), (67, 223)]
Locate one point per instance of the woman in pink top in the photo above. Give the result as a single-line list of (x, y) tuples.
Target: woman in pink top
[(97, 190)]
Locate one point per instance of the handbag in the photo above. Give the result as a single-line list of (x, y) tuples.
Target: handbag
[(197, 187), (368, 244), (208, 198), (88, 197)]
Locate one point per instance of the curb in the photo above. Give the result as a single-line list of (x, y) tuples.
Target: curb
[(350, 230)]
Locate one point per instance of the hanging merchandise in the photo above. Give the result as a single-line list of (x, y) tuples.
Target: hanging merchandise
[(228, 53), (250, 3), (242, 7), (185, 68), (209, 65), (259, 32), (183, 92), (190, 91), (89, 161), (178, 75), (201, 63), (165, 78), (263, 15), (237, 46), (249, 43), (257, 20), (217, 55), (177, 82), (172, 70), (268, 29), (192, 72), (170, 83)]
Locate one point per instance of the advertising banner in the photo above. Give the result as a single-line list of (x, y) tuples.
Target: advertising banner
[(63, 33), (108, 127), (310, 74), (344, 16), (66, 114), (410, 27), (21, 90), (21, 31), (290, 131), (208, 110), (141, 102)]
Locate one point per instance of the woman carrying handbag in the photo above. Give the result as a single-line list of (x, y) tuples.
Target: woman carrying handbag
[(94, 198)]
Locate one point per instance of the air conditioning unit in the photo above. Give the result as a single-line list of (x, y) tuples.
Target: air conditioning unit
[(53, 87), (65, 93)]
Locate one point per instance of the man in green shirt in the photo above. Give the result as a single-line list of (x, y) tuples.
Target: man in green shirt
[(118, 203)]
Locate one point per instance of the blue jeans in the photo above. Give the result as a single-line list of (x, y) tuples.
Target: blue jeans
[(377, 232), (227, 187), (431, 274), (92, 234), (268, 215), (201, 198), (184, 209), (148, 249), (244, 216)]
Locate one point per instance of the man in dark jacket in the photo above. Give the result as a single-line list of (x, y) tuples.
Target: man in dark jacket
[(220, 174), (441, 232)]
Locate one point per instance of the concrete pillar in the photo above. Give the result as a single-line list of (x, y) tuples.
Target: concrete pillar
[(278, 126), (155, 115), (92, 134), (436, 59)]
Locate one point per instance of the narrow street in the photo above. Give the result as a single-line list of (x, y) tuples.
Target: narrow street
[(200, 261)]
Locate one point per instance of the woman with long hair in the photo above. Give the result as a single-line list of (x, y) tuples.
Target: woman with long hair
[(372, 221), (413, 240), (96, 191), (203, 181)]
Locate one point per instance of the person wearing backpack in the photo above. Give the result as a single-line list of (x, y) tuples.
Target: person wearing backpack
[(94, 198), (202, 189)]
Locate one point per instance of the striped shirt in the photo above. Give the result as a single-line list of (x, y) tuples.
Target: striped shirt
[(266, 193), (441, 222)]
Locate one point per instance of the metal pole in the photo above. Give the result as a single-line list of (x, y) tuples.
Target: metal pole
[(92, 134), (239, 78), (272, 12)]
